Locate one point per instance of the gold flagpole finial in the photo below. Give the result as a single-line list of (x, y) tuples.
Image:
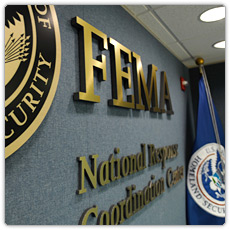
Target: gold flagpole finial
[(199, 61)]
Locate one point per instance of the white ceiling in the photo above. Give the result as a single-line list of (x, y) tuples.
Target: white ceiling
[(179, 29)]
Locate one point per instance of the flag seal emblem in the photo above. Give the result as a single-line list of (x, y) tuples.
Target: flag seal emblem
[(32, 68), (206, 178)]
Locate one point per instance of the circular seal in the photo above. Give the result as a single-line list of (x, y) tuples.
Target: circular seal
[(206, 178), (32, 68)]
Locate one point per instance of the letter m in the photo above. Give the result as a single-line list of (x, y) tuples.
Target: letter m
[(145, 95)]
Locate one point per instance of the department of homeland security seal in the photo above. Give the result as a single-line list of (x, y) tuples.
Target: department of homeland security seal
[(32, 68), (206, 179)]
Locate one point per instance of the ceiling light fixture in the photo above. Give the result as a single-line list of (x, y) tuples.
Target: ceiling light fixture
[(219, 45), (213, 15)]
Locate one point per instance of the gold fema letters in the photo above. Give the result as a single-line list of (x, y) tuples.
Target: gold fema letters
[(145, 95)]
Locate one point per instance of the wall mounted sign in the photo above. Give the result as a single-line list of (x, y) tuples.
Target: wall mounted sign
[(145, 97), (115, 168), (32, 68), (145, 94)]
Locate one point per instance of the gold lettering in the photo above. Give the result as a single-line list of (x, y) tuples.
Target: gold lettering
[(30, 102), (42, 12), (45, 21), (143, 150), (146, 93), (173, 177), (124, 209), (135, 208), (87, 63), (165, 95), (91, 173), (129, 203), (104, 173), (87, 213), (122, 204), (35, 88), (124, 166), (140, 161), (19, 123), (152, 156), (114, 214), (39, 76), (119, 76), (168, 178), (42, 61), (103, 218), (140, 200), (162, 184), (133, 164), (152, 189), (111, 160), (11, 131), (146, 193)]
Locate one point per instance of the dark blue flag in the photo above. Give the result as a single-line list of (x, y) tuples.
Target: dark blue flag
[(206, 169)]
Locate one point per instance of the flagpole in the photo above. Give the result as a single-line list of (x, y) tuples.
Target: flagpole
[(200, 63)]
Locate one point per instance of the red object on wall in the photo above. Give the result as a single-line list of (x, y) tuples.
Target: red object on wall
[(181, 83)]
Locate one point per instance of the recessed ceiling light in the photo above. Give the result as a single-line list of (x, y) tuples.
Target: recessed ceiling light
[(213, 15), (219, 45)]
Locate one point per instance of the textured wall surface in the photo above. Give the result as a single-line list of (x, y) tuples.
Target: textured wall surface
[(42, 176)]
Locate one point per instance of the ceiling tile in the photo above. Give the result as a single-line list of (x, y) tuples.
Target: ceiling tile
[(173, 25), (178, 51), (154, 7), (183, 20), (190, 63), (136, 9), (151, 23), (202, 46)]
